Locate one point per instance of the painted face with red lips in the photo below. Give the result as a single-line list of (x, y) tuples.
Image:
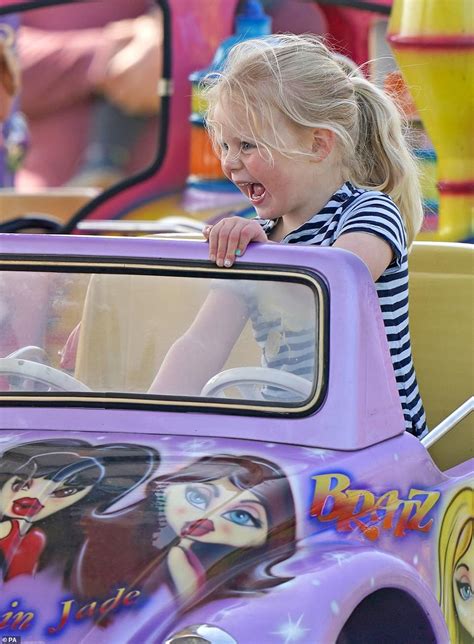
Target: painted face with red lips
[(37, 498), (27, 506), (216, 512)]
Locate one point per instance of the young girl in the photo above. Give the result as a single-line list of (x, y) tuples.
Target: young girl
[(321, 156)]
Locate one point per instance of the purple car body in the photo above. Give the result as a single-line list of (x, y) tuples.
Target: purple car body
[(315, 519)]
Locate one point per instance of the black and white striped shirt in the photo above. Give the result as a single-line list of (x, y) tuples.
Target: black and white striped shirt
[(353, 209), (285, 328)]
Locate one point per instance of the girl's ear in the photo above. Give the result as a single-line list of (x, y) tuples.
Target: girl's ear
[(323, 143)]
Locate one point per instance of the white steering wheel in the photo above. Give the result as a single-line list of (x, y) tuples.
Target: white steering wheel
[(245, 379), (40, 373)]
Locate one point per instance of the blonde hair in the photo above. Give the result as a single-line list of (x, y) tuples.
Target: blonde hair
[(455, 535), (300, 78)]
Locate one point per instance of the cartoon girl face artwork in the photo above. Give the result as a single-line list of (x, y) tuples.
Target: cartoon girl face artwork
[(217, 512), (190, 530), (221, 506), (47, 487), (456, 566), (463, 581), (34, 499)]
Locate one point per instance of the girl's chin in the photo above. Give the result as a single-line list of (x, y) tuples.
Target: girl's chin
[(266, 212)]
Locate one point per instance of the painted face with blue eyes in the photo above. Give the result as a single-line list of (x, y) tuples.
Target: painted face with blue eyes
[(463, 589), (216, 512)]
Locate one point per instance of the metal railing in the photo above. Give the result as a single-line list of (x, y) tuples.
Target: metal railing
[(448, 423)]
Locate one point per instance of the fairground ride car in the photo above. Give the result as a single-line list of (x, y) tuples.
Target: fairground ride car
[(268, 507)]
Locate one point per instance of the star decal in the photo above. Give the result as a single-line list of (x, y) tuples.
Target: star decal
[(291, 631), (315, 452), (339, 557), (197, 445)]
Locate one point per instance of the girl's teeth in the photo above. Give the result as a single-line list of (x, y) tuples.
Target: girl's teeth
[(257, 190)]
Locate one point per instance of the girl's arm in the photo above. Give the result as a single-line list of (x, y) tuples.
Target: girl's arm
[(373, 250), (374, 231), (231, 236), (203, 350)]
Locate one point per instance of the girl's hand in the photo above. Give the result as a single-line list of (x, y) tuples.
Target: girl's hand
[(230, 237)]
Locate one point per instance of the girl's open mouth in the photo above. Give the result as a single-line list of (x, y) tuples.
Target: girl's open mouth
[(256, 193)]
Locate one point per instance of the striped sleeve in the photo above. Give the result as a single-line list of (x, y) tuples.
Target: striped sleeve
[(376, 214)]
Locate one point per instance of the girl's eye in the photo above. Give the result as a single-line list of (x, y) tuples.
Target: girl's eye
[(224, 147), (464, 590), (19, 484), (245, 146), (66, 491), (242, 517), (198, 497)]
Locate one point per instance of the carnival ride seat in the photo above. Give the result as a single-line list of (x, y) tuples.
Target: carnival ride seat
[(61, 203), (442, 333)]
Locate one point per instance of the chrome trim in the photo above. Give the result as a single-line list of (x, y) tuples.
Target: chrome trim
[(201, 634)]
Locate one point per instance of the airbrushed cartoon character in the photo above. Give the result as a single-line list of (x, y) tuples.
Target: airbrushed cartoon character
[(220, 524), (456, 566), (48, 487)]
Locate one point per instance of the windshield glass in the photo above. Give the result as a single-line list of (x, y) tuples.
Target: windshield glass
[(157, 336)]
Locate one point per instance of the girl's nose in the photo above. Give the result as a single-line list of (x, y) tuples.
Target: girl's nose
[(231, 161)]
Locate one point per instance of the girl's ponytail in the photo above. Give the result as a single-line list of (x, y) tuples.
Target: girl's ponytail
[(382, 159)]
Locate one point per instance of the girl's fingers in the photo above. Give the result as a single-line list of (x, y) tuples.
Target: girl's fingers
[(229, 239), (247, 234), (213, 232), (236, 245), (251, 231), (225, 229)]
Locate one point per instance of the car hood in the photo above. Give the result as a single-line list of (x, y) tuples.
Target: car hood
[(139, 534)]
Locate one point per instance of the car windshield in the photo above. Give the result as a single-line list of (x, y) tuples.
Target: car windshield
[(85, 334)]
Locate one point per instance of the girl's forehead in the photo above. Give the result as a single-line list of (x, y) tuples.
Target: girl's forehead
[(229, 121)]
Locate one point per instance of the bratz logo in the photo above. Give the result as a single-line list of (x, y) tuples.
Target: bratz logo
[(334, 501)]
